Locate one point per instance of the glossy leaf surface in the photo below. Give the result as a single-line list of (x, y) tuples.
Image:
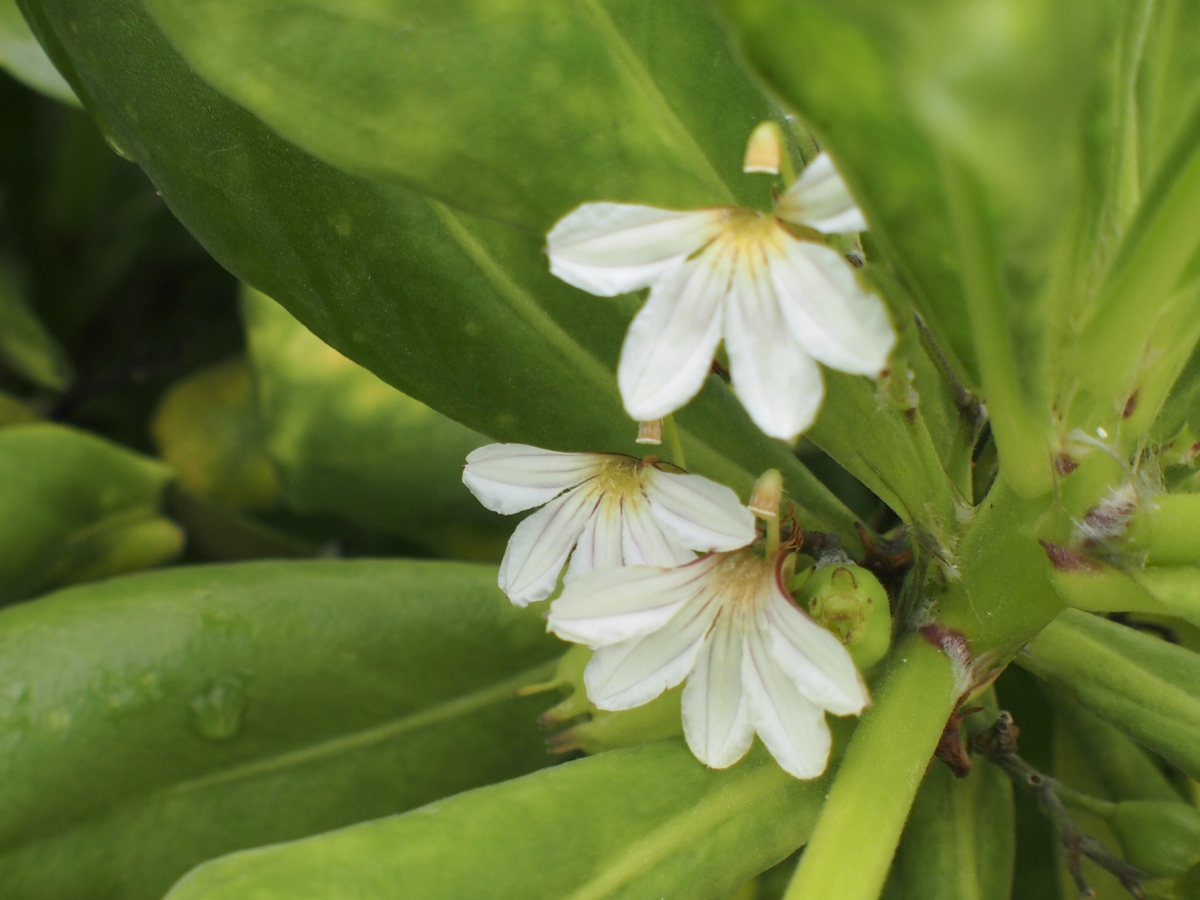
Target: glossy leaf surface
[(152, 722)]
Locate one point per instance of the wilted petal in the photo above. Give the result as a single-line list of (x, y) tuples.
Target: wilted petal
[(611, 248), (613, 605), (820, 199), (540, 545), (812, 658), (634, 672), (600, 544), (716, 716), (793, 729), (509, 478), (643, 541), (829, 314), (776, 381), (669, 348), (702, 514)]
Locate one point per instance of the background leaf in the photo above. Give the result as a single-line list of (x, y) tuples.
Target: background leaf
[(25, 345), (152, 722), (345, 442), (74, 507), (24, 58)]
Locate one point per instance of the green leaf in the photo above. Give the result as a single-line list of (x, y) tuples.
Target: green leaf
[(153, 722), (511, 109), (207, 429), (1122, 769), (647, 821), (74, 507), (456, 312), (961, 130), (25, 345), (345, 442), (24, 58), (1147, 688), (958, 843)]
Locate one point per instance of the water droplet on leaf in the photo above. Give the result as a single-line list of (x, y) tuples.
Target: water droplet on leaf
[(217, 713)]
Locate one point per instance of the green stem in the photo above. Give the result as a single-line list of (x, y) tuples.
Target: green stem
[(675, 441), (856, 835)]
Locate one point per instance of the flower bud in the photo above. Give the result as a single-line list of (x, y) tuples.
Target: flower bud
[(1158, 836), (764, 499), (595, 730), (850, 602), (764, 150)]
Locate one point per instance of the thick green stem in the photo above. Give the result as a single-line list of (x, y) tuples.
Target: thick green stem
[(852, 846)]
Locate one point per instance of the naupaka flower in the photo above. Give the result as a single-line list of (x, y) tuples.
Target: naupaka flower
[(782, 299), (609, 509), (754, 662)]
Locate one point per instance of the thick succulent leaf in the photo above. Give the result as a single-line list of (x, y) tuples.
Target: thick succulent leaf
[(156, 721), (345, 442), (24, 58), (74, 507), (647, 821), (1146, 687), (26, 347), (958, 843), (456, 312), (511, 109)]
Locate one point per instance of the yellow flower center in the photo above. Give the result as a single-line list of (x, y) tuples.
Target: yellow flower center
[(742, 580), (621, 475)]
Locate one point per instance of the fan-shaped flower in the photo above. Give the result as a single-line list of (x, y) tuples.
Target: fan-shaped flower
[(783, 300), (753, 661), (611, 510)]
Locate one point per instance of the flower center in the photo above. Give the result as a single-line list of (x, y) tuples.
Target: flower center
[(621, 475), (742, 581)]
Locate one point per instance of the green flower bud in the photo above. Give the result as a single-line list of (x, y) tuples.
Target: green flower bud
[(850, 602), (595, 730), (1158, 836)]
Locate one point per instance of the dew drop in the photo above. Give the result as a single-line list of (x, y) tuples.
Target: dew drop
[(14, 697), (217, 713)]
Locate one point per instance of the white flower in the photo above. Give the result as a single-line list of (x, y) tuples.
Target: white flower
[(616, 510), (753, 661), (782, 302)]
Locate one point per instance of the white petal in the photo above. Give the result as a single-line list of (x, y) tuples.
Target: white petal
[(509, 478), (702, 514), (829, 314), (636, 671), (820, 199), (793, 729), (540, 545), (612, 248), (612, 605), (670, 345), (776, 381), (599, 546), (813, 658), (716, 716), (643, 540)]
